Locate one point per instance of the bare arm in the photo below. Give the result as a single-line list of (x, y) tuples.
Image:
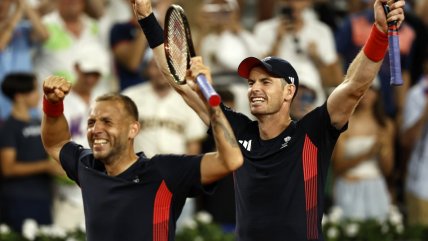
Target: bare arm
[(362, 71), (412, 134), (382, 150), (343, 100), (95, 8), (39, 31), (193, 147), (142, 9), (9, 25), (55, 131), (387, 150), (130, 54), (341, 164), (12, 168), (228, 157)]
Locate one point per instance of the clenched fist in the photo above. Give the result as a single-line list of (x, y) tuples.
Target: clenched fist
[(55, 88)]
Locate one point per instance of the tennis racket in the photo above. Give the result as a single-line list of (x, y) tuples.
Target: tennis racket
[(394, 50), (179, 50)]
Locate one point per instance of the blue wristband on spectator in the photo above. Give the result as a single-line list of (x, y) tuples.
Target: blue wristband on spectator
[(152, 30)]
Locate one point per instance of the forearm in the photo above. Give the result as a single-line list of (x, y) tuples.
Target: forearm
[(342, 102), (39, 30), (227, 146), (193, 147), (411, 135), (55, 134), (8, 28), (138, 49), (132, 53), (95, 8), (341, 166), (360, 75), (54, 130), (387, 150), (386, 160), (24, 169)]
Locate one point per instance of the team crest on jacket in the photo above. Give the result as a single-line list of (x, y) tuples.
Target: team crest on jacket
[(286, 140)]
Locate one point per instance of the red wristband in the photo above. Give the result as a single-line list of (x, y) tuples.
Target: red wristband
[(52, 109), (376, 45)]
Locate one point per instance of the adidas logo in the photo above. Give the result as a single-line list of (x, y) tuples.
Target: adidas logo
[(246, 144)]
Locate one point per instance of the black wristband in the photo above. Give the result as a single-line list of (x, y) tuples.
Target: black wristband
[(152, 30)]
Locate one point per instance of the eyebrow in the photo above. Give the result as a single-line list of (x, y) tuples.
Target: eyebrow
[(264, 78)]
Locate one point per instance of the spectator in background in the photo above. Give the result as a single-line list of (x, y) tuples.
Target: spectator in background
[(26, 190), (226, 42), (295, 34), (414, 136), (21, 27), (418, 19), (307, 98), (326, 13), (90, 67), (128, 46), (164, 117), (364, 156), (168, 125), (70, 31)]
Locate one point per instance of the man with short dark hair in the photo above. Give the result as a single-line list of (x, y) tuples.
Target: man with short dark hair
[(279, 190), (126, 195)]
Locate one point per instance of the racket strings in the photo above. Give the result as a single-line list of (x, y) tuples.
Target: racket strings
[(178, 49)]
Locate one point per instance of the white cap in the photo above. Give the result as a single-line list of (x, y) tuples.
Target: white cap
[(309, 79), (92, 60)]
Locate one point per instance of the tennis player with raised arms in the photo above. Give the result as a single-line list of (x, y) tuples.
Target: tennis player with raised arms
[(280, 187), (126, 195)]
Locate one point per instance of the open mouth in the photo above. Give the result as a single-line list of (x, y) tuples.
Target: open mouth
[(257, 100), (99, 142)]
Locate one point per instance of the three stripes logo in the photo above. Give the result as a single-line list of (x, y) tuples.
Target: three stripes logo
[(246, 144), (291, 79)]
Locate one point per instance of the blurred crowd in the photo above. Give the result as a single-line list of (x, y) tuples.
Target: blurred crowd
[(98, 46)]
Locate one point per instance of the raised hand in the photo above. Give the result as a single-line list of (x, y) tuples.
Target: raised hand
[(197, 67), (396, 13), (56, 88), (142, 8)]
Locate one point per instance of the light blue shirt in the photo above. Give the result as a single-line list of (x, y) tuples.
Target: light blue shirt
[(16, 57)]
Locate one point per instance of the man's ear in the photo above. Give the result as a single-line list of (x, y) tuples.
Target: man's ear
[(134, 130), (289, 91)]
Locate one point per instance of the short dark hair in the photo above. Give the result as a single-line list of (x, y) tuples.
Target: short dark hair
[(127, 102), (18, 83)]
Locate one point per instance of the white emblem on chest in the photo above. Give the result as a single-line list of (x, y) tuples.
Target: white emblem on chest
[(286, 140)]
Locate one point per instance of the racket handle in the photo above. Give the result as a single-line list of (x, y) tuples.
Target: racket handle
[(394, 55), (208, 91), (394, 50)]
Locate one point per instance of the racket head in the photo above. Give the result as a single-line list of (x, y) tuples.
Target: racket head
[(176, 43)]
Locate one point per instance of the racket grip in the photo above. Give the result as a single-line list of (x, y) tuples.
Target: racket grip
[(394, 56), (394, 51), (208, 91)]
